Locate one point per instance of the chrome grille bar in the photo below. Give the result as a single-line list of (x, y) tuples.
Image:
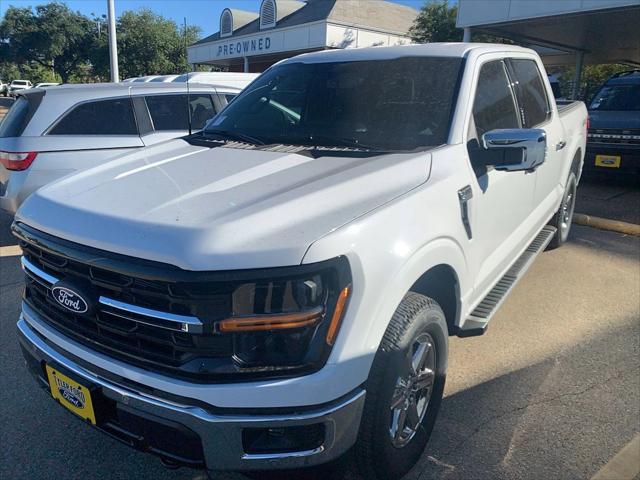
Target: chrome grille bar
[(182, 323), (187, 323)]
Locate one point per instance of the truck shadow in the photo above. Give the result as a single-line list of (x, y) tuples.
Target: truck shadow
[(529, 424)]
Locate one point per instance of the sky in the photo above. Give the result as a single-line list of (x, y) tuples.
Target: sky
[(203, 13)]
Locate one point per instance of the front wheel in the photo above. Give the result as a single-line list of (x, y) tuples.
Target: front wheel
[(404, 390), (563, 218)]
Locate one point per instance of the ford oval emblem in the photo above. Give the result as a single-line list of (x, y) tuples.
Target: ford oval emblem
[(69, 299)]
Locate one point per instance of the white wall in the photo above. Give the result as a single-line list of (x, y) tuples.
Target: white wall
[(481, 12), (301, 37), (339, 36)]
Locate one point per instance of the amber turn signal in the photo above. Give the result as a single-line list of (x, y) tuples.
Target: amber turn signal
[(336, 319), (256, 323)]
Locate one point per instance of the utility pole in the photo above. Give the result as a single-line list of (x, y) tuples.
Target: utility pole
[(113, 44)]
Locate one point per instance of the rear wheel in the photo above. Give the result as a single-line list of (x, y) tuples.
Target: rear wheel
[(404, 390), (563, 218)]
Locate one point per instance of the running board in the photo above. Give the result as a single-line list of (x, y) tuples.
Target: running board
[(478, 320)]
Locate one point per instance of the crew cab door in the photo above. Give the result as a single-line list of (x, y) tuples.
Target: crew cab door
[(536, 112), (501, 202)]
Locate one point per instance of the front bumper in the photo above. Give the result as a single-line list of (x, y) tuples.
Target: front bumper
[(216, 439), (629, 158)]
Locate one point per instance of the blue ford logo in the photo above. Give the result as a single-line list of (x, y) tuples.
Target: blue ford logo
[(69, 299)]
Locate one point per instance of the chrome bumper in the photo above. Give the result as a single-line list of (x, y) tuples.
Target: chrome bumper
[(221, 435)]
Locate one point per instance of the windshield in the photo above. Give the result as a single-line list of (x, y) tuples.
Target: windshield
[(622, 97), (391, 105)]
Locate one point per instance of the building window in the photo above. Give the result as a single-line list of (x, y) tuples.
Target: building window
[(226, 23), (268, 14)]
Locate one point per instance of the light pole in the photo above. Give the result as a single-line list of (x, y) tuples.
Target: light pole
[(113, 44)]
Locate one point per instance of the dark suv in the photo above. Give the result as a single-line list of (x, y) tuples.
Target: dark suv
[(613, 142)]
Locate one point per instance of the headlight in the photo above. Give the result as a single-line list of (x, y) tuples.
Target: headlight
[(290, 319)]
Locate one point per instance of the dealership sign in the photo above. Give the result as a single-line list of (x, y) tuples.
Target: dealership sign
[(249, 45)]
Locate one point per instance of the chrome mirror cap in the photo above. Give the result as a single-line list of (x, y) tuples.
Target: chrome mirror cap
[(532, 142)]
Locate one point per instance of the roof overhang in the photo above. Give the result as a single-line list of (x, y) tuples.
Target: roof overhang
[(605, 35)]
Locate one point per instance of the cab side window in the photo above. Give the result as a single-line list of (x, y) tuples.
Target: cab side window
[(494, 105), (531, 91)]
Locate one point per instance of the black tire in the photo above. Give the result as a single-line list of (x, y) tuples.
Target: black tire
[(562, 219), (416, 318)]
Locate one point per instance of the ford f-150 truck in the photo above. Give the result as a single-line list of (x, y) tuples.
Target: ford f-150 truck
[(280, 287)]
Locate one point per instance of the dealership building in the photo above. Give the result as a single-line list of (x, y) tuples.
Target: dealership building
[(253, 41)]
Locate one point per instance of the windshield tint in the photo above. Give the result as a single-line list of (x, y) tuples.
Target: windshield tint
[(390, 105), (617, 97)]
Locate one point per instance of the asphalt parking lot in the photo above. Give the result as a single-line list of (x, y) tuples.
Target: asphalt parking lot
[(551, 391)]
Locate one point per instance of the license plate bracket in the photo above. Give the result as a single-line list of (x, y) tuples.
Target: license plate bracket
[(76, 396)]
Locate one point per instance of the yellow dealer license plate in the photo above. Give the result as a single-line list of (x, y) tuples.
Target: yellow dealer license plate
[(71, 394), (608, 161)]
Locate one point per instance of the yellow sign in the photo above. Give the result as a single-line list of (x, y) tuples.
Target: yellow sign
[(71, 394), (608, 161)]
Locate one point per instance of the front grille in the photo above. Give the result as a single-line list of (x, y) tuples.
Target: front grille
[(160, 325), (614, 136)]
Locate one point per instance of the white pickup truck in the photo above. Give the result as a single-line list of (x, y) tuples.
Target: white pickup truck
[(280, 287)]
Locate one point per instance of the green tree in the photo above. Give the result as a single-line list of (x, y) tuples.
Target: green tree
[(436, 23), (51, 36), (149, 44)]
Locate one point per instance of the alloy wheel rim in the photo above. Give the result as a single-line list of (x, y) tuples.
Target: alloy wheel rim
[(567, 209), (412, 393)]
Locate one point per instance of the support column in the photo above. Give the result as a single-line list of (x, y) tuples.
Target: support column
[(578, 75), (113, 44), (467, 35), (246, 64)]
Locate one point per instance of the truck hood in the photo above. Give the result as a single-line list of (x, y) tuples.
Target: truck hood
[(613, 119), (219, 208)]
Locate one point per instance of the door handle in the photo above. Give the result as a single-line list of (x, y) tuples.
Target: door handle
[(464, 195), (560, 145)]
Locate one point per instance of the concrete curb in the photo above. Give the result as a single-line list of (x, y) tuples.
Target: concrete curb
[(606, 224)]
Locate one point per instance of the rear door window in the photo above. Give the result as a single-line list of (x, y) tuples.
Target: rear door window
[(532, 94), (494, 105), (169, 112), (103, 117)]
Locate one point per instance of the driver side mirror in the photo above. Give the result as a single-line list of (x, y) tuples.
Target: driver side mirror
[(515, 149)]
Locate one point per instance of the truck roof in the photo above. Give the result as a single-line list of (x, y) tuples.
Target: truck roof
[(450, 49)]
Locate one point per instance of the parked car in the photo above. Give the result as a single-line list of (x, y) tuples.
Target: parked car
[(554, 81), (163, 78), (280, 287), (613, 142), (45, 85), (145, 79), (4, 88), (49, 133), (218, 78), (19, 85)]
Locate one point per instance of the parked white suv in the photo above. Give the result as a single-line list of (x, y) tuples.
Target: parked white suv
[(54, 132), (280, 287), (18, 86)]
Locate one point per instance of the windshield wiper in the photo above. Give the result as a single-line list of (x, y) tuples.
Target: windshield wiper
[(235, 136)]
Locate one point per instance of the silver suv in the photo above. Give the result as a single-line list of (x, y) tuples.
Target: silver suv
[(50, 133)]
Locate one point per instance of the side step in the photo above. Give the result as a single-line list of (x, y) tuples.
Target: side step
[(478, 320)]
